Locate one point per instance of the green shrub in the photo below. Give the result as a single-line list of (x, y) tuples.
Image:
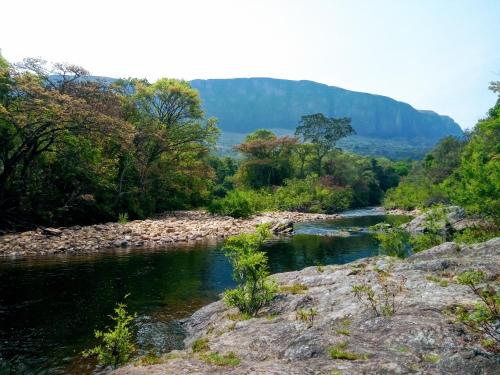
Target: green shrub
[(309, 195), (236, 203), (392, 241), (435, 230), (250, 271), (117, 345), (214, 358), (382, 303), (476, 234), (200, 345), (483, 317), (307, 316), (123, 218)]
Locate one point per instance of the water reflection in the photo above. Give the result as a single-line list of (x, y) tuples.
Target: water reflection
[(50, 306)]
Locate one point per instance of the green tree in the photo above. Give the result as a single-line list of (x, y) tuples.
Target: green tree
[(323, 133), (267, 159)]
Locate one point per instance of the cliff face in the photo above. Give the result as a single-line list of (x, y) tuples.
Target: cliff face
[(346, 336), (246, 104)]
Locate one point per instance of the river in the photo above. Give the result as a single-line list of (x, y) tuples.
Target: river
[(49, 306)]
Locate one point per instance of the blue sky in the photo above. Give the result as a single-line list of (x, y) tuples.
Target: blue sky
[(434, 54)]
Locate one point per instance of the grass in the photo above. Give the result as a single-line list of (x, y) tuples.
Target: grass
[(200, 345), (343, 327), (339, 352), (306, 316), (403, 349), (441, 282), (239, 316), (214, 358), (431, 358), (294, 289)]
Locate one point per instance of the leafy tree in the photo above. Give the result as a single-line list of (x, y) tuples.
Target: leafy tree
[(323, 133), (250, 271), (267, 159)]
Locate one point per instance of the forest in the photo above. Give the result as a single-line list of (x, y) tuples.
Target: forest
[(76, 150)]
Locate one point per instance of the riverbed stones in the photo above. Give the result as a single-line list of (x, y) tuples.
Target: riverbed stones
[(165, 230), (422, 337)]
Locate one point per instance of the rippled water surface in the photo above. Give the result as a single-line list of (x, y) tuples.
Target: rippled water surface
[(49, 306)]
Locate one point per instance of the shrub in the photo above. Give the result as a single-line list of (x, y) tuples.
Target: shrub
[(236, 203), (382, 303), (392, 241), (200, 345), (435, 230), (476, 234), (250, 267), (117, 345), (484, 316), (123, 218), (310, 195)]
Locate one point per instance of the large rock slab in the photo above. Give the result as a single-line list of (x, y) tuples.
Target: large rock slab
[(421, 338)]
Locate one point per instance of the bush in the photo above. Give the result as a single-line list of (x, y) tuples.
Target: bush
[(392, 241), (484, 316), (254, 291), (236, 203), (117, 345), (414, 194), (309, 195)]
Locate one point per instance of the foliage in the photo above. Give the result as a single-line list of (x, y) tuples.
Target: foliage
[(382, 303), (310, 195), (484, 316), (392, 241), (214, 358), (200, 345), (78, 150), (307, 316), (435, 231), (267, 159), (323, 133), (237, 203), (250, 271), (295, 288), (123, 218), (339, 352), (477, 234), (117, 345)]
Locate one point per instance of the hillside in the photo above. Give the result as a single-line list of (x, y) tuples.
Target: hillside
[(243, 105)]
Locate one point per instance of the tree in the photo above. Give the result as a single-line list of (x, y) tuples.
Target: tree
[(323, 133), (268, 159), (166, 168)]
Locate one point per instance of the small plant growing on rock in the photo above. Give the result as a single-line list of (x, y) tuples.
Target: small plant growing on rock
[(307, 316), (294, 288), (214, 358), (123, 218), (382, 303), (343, 327), (250, 267), (117, 345), (200, 345), (484, 316), (431, 357), (339, 352)]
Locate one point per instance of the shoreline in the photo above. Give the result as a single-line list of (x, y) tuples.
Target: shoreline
[(179, 227)]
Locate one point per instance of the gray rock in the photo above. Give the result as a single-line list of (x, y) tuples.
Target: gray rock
[(420, 338)]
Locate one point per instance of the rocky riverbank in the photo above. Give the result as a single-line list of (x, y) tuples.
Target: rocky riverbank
[(170, 229), (344, 336)]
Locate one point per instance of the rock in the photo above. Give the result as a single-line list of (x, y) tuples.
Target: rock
[(51, 231), (419, 338)]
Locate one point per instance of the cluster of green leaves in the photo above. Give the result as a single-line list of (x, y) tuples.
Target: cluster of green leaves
[(465, 172), (76, 150), (117, 345), (250, 271), (307, 316), (237, 203), (382, 303), (484, 316), (392, 241), (435, 231)]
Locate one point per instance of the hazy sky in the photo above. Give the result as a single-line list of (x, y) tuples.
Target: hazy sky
[(433, 54)]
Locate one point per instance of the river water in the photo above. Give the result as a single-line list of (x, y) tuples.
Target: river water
[(49, 306)]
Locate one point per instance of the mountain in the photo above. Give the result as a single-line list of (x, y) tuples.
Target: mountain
[(243, 105)]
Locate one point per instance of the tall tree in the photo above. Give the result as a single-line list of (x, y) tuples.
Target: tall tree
[(267, 159), (324, 133)]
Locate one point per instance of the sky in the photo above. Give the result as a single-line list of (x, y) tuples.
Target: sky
[(433, 54)]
